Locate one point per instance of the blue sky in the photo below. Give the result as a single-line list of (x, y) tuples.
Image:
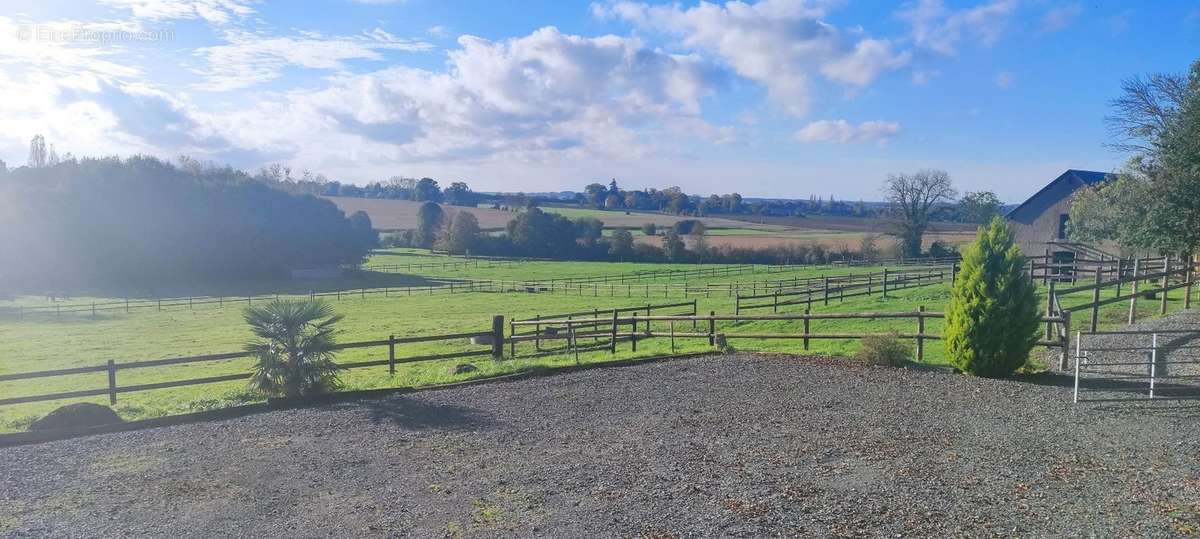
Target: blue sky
[(774, 98)]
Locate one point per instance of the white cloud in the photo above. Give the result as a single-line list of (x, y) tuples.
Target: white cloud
[(438, 31), (780, 44), (213, 11), (536, 97), (1060, 17), (842, 132), (248, 59), (940, 29)]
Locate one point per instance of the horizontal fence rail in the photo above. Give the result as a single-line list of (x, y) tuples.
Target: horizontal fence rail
[(493, 338), (616, 286), (806, 291), (1112, 281), (633, 328)]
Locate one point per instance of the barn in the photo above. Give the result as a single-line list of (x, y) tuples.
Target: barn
[(1040, 223)]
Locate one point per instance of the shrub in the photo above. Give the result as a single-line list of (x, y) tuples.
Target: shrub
[(295, 345), (992, 319), (886, 350)]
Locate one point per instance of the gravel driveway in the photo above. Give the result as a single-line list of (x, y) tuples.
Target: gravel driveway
[(738, 445)]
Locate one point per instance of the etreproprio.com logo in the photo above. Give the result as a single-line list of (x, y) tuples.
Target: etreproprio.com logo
[(87, 34)]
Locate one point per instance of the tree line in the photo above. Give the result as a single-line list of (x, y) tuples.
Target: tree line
[(541, 234), (138, 221)]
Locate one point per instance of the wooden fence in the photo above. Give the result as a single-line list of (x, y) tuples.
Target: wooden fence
[(633, 328), (515, 325), (493, 337), (619, 285), (1163, 275), (807, 290), (449, 265)]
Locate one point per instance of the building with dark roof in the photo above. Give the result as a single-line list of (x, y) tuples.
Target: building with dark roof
[(1040, 223)]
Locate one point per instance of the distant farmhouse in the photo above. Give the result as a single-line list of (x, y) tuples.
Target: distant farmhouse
[(1040, 223)]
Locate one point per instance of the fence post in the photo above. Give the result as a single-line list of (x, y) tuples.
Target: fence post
[(694, 314), (634, 323), (1096, 299), (537, 335), (1120, 274), (1049, 310), (1153, 361), (1046, 268), (571, 339), (712, 328), (613, 345), (775, 305), (1133, 299), (1066, 341), (498, 337), (870, 278), (953, 273), (921, 333), (391, 355), (885, 281), (1166, 283), (807, 311), (672, 335), (1078, 339), (825, 295), (1187, 290), (737, 304), (112, 382), (512, 332)]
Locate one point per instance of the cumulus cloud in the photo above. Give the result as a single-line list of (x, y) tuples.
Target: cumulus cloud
[(843, 132), (523, 98), (780, 44), (941, 29)]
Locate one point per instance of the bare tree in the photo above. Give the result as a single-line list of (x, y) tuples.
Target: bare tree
[(37, 151), (1145, 110), (912, 197)]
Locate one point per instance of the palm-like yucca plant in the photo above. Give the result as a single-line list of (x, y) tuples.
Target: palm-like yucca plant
[(295, 347)]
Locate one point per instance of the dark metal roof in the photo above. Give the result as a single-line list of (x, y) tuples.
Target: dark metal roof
[(1058, 189)]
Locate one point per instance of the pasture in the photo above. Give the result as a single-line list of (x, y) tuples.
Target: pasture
[(45, 341)]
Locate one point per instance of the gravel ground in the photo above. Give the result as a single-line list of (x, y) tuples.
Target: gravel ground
[(738, 445)]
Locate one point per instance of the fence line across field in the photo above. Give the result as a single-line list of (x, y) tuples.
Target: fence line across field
[(823, 289), (595, 289), (605, 331), (494, 338)]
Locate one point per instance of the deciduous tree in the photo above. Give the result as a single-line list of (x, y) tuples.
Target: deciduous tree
[(912, 197)]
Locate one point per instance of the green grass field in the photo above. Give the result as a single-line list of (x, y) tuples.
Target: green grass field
[(44, 342)]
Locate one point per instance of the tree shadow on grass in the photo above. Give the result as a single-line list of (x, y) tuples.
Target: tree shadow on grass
[(410, 413)]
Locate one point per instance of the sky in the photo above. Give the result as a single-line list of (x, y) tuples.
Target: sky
[(775, 98)]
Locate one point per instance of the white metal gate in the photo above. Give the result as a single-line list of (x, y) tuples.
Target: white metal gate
[(1137, 365)]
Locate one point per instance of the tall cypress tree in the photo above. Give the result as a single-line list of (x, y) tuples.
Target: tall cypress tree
[(992, 320)]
